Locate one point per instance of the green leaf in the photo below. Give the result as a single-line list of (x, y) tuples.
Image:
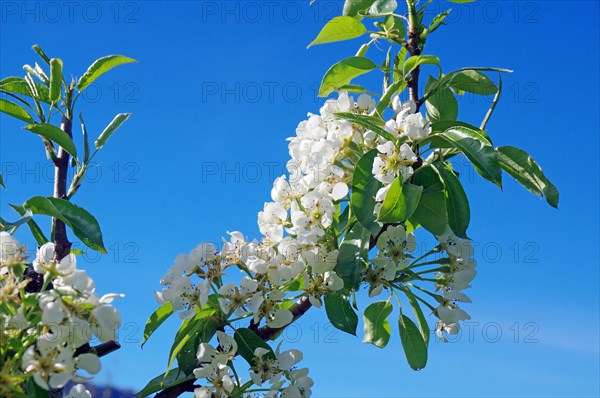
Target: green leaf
[(247, 342), (394, 26), (423, 325), (413, 62), (457, 202), (41, 53), (354, 88), (354, 7), (343, 72), (521, 166), (400, 202), (18, 85), (353, 255), (441, 105), (440, 127), (187, 360), (157, 318), (54, 134), (478, 150), (413, 344), (338, 29), (188, 334), (396, 87), (364, 189), (340, 312), (36, 231), (172, 378), (83, 224), (382, 7), (431, 212), (6, 225), (2, 182), (368, 122), (438, 21), (111, 128), (56, 78), (472, 81), (377, 327), (14, 110), (100, 67)]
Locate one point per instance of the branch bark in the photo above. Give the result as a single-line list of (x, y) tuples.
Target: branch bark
[(413, 45), (61, 168)]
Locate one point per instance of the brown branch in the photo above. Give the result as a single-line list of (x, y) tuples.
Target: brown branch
[(61, 168), (413, 46), (302, 305)]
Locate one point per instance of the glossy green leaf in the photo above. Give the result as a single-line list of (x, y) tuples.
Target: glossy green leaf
[(247, 342), (478, 150), (376, 325), (354, 7), (368, 122), (172, 378), (14, 110), (440, 127), (338, 29), (343, 72), (100, 67), (364, 189), (41, 53), (111, 128), (36, 231), (352, 257), (157, 318), (416, 60), (188, 333), (413, 344), (340, 312), (431, 212), (382, 7), (423, 325), (56, 78), (386, 99), (441, 105), (457, 203), (400, 202), (187, 360), (83, 224), (521, 166), (54, 134), (472, 81)]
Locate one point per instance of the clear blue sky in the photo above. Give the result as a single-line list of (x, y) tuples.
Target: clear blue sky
[(219, 87)]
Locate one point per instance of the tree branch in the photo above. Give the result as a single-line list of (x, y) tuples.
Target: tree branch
[(61, 168), (413, 45)]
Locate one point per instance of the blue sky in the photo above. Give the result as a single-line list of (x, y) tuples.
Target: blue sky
[(221, 84)]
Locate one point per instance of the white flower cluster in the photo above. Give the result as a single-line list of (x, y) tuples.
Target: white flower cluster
[(276, 371), (55, 322), (462, 272), (299, 248)]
